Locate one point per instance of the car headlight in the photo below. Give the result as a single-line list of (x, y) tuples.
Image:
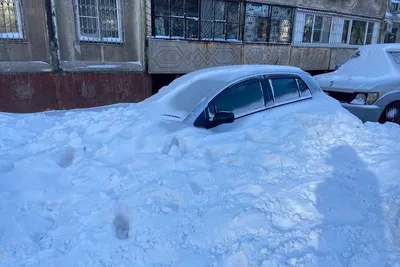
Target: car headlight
[(365, 99), (359, 100), (371, 98)]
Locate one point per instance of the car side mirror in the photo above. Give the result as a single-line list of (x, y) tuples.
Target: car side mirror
[(223, 117)]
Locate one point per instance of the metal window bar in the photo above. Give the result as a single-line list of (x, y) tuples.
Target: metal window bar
[(100, 21), (162, 22), (11, 21)]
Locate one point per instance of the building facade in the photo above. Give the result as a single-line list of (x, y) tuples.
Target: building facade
[(57, 54), (316, 35)]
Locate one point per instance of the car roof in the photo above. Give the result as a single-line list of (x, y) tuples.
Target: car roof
[(184, 94)]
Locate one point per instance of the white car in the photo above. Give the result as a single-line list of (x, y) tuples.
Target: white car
[(221, 95), (368, 84)]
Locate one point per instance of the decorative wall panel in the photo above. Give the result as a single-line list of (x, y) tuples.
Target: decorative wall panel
[(310, 58), (168, 56)]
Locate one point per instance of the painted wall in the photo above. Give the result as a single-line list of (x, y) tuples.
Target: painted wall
[(33, 92)]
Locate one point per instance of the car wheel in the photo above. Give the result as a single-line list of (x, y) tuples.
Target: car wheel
[(392, 113)]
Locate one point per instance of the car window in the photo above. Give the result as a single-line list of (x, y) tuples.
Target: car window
[(285, 89), (303, 88), (396, 57), (241, 99)]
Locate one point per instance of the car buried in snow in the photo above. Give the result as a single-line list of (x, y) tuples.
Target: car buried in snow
[(368, 84), (214, 96)]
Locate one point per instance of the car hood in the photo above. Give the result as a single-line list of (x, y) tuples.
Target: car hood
[(347, 83)]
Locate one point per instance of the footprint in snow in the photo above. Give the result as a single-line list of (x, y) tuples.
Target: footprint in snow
[(67, 157), (121, 224)]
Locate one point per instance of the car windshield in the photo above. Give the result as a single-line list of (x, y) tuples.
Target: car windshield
[(370, 63)]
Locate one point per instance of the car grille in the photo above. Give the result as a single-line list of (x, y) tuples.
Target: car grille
[(342, 97)]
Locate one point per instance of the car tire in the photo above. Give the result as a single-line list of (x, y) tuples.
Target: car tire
[(392, 113)]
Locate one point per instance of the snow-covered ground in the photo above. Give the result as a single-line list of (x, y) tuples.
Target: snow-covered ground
[(309, 189)]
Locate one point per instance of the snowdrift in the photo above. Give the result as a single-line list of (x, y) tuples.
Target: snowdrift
[(307, 189)]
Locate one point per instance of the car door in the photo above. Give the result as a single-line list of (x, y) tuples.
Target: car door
[(242, 99)]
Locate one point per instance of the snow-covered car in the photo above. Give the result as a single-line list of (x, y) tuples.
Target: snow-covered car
[(210, 97), (368, 84)]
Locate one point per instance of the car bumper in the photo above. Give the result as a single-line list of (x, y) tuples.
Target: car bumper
[(365, 113)]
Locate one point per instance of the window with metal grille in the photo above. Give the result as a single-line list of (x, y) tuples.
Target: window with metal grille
[(222, 20), (11, 19), (268, 23), (99, 21), (196, 19)]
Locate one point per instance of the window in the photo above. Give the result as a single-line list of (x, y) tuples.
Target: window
[(345, 32), (241, 99), (99, 20), (10, 19), (317, 29), (394, 7), (285, 89), (357, 32), (196, 19), (303, 88), (266, 23), (361, 32), (222, 20)]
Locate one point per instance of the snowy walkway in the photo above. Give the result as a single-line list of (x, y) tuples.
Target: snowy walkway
[(310, 190)]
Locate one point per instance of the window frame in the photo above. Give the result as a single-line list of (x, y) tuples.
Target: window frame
[(199, 20), (269, 18), (241, 23), (350, 27), (314, 15), (337, 30), (99, 39), (19, 15)]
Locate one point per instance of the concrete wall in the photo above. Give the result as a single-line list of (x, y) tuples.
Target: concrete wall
[(170, 56), (15, 54), (80, 56)]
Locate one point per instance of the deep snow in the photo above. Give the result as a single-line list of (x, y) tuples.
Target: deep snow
[(305, 190)]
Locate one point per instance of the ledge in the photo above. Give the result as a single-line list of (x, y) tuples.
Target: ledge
[(11, 67), (93, 66)]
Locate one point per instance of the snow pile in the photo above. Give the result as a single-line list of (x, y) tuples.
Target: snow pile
[(112, 188)]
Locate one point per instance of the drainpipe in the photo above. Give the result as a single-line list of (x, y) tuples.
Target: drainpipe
[(53, 35)]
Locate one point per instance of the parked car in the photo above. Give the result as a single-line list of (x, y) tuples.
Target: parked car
[(221, 95), (368, 84)]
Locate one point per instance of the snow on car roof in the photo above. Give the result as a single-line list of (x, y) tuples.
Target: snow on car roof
[(372, 61), (183, 94)]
